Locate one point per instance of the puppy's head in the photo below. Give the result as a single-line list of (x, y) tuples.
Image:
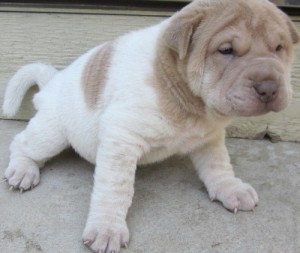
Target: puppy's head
[(237, 54)]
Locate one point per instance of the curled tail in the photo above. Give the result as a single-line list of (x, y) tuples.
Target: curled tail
[(27, 76)]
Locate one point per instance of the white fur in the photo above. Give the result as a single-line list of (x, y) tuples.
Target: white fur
[(26, 77), (127, 128)]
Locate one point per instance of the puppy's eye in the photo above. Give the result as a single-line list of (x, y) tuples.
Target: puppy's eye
[(279, 48), (226, 50)]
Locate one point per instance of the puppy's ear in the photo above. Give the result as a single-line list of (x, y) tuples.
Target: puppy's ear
[(178, 34), (292, 28)]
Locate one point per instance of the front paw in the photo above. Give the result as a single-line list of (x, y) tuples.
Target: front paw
[(106, 234), (234, 194), (22, 176)]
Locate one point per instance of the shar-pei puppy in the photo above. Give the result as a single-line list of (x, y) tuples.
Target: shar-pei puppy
[(171, 88)]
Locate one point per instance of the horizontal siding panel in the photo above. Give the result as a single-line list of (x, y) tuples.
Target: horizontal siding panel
[(57, 39), (60, 38)]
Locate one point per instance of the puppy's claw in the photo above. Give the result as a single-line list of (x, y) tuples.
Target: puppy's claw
[(125, 245), (4, 179), (87, 242), (21, 190), (11, 188), (235, 210)]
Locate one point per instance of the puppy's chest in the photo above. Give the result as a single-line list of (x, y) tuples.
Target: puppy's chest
[(182, 142)]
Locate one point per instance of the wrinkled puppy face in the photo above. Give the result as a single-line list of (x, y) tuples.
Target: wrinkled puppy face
[(238, 54)]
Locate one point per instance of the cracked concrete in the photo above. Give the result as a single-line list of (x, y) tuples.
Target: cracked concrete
[(171, 211)]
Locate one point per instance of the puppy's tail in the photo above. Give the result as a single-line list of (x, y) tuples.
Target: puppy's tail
[(27, 76)]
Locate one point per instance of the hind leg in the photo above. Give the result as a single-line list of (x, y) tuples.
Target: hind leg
[(42, 139)]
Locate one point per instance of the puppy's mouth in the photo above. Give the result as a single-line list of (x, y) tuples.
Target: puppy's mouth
[(254, 107), (249, 104)]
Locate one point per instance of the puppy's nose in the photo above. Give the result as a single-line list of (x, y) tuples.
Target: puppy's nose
[(267, 91)]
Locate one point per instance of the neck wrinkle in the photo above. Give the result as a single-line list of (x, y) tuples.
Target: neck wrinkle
[(177, 96)]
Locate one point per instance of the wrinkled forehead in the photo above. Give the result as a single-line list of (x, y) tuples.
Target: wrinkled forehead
[(265, 20), (257, 20)]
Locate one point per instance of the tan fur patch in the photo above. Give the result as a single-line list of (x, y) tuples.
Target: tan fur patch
[(170, 76), (175, 97), (173, 69), (187, 68), (95, 74)]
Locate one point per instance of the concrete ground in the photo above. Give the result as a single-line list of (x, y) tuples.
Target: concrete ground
[(171, 211)]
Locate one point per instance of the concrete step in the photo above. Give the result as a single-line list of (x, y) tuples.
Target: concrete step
[(171, 211)]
